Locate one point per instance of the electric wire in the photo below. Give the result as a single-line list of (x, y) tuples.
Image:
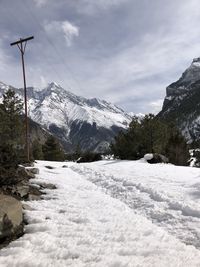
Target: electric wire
[(51, 43)]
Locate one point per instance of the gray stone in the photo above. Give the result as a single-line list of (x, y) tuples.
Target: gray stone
[(33, 190), (28, 164), (32, 170), (24, 173), (10, 216), (156, 158), (47, 186), (22, 190), (50, 167), (64, 166)]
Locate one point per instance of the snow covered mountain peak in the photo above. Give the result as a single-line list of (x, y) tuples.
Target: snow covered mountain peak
[(53, 87), (196, 62), (191, 74), (54, 84), (74, 119)]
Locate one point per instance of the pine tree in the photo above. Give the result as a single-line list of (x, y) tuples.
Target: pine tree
[(10, 120), (10, 137), (52, 150), (37, 150), (78, 151), (177, 150), (11, 126)]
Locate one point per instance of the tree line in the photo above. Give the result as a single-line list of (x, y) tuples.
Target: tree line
[(151, 135)]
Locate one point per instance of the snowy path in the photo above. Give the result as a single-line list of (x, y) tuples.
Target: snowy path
[(167, 195), (79, 225)]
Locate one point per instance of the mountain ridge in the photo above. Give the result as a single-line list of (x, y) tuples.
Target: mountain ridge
[(75, 120)]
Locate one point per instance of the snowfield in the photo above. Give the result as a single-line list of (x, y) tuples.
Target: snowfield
[(111, 213)]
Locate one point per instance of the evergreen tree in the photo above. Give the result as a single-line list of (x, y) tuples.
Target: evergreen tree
[(52, 150), (78, 151), (177, 150), (37, 150), (10, 137), (151, 135), (11, 126)]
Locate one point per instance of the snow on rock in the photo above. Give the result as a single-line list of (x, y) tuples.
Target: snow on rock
[(81, 224), (148, 156)]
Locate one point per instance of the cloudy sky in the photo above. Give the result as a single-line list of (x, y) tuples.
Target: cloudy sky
[(123, 51)]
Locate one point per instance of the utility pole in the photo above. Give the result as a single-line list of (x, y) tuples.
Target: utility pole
[(21, 43)]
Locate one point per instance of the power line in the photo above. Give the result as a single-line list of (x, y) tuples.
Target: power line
[(62, 61)]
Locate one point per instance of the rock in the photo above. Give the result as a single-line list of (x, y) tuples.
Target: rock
[(29, 164), (155, 158), (148, 156), (33, 190), (22, 190), (32, 170), (48, 186), (24, 173), (19, 191), (10, 217), (27, 172), (49, 167), (5, 225)]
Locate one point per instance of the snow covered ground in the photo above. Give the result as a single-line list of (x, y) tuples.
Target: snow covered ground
[(111, 213)]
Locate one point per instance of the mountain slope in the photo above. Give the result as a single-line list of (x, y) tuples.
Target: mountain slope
[(182, 102), (75, 120)]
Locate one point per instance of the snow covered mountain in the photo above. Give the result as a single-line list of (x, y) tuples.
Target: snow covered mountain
[(182, 102), (75, 120)]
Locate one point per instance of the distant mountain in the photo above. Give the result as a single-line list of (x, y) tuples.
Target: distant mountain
[(182, 102), (74, 120)]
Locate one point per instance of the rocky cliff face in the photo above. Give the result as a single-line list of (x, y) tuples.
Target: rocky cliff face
[(182, 102), (74, 120)]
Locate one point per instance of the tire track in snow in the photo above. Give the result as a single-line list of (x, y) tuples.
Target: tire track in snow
[(178, 219)]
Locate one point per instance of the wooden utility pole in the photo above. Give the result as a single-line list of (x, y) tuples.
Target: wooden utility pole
[(21, 43)]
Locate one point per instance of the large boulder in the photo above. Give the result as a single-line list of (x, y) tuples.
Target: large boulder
[(11, 217), (27, 172), (155, 158), (32, 170)]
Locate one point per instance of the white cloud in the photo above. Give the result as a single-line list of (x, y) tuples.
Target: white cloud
[(91, 7), (67, 29), (70, 31), (156, 106), (40, 3)]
